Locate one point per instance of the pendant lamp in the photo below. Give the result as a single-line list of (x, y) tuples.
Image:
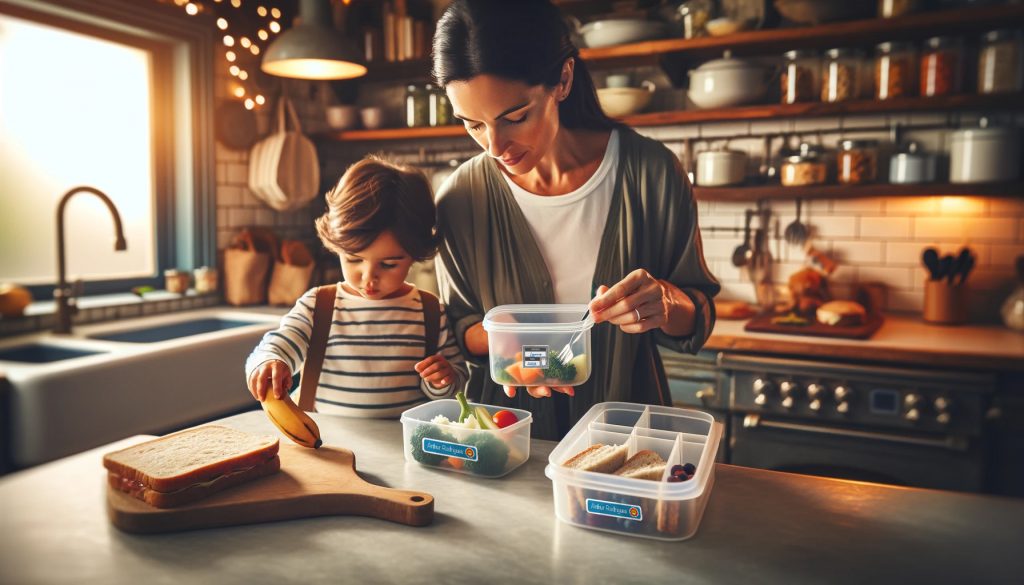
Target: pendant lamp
[(313, 49)]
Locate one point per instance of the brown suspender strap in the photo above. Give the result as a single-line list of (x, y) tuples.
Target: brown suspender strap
[(431, 321), (323, 314)]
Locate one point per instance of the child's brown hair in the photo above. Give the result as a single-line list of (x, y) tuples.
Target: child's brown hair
[(375, 195)]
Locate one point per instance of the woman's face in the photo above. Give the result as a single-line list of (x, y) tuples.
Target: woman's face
[(513, 122), (378, 271)]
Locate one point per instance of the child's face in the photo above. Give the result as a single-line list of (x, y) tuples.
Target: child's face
[(378, 271)]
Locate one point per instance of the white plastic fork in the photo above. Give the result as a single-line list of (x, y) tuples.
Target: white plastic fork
[(566, 355)]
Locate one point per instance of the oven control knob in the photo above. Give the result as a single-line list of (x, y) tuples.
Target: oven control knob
[(842, 393), (815, 405), (912, 400), (787, 402), (913, 415), (843, 407), (761, 399), (942, 404), (762, 385), (815, 391), (787, 388), (706, 394), (943, 418)]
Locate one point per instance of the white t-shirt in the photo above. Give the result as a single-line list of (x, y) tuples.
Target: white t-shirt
[(568, 228)]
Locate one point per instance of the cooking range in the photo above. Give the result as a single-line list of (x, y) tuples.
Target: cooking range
[(905, 426)]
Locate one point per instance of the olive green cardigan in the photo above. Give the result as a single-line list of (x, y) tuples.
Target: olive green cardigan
[(488, 257)]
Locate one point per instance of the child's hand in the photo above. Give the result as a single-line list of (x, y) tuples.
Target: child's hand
[(436, 370), (270, 376)]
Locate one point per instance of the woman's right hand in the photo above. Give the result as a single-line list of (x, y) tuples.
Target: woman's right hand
[(540, 391), (272, 376)]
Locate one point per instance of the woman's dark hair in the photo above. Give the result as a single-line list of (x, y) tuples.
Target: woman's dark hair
[(375, 195), (521, 40)]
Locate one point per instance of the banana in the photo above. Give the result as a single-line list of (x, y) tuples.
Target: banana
[(293, 422)]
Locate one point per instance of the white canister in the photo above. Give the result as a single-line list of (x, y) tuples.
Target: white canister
[(912, 166), (718, 168), (984, 154)]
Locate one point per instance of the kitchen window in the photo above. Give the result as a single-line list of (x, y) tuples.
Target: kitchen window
[(116, 95)]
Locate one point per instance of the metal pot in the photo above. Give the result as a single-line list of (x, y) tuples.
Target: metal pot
[(912, 166), (717, 168)]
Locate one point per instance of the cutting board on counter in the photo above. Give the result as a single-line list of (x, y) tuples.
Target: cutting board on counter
[(311, 482), (763, 324)]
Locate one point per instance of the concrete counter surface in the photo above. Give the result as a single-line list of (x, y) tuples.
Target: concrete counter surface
[(759, 527)]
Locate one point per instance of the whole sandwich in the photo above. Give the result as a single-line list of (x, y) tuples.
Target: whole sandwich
[(190, 465)]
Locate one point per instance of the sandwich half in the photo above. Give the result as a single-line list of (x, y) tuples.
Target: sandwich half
[(644, 464), (599, 458), (190, 465)]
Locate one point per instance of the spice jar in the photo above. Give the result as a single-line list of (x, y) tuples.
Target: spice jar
[(940, 67), (857, 161), (895, 74), (799, 76), (417, 106), (805, 168), (894, 8), (205, 278), (1000, 62), (440, 107), (176, 281), (840, 75)]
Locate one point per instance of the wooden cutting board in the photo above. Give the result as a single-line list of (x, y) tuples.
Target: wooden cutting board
[(763, 324), (320, 482)]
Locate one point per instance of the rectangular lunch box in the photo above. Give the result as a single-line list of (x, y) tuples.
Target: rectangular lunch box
[(539, 345), (659, 509)]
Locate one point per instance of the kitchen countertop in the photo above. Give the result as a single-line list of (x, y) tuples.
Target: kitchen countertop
[(759, 527), (901, 339)]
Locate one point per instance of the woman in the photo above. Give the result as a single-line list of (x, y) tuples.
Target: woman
[(563, 206)]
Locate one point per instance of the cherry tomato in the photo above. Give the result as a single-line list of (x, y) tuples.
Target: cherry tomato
[(504, 418)]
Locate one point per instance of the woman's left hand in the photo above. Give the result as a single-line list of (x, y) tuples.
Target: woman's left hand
[(637, 303)]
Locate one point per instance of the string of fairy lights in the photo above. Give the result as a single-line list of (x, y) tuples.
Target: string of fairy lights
[(247, 28)]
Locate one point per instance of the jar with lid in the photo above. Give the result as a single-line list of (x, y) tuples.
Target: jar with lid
[(895, 70), (840, 75), (857, 161), (894, 8), (911, 165), (940, 66), (799, 77), (440, 108), (417, 106), (1000, 62), (806, 167)]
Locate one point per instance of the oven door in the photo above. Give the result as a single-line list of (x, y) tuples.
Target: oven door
[(847, 452), (696, 382)]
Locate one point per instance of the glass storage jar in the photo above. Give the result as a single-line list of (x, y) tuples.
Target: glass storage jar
[(895, 71), (894, 8), (807, 167), (857, 161), (1000, 62), (440, 107), (840, 75), (940, 66), (799, 77), (417, 106)]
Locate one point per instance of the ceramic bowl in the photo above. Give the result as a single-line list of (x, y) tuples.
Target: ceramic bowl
[(624, 101), (606, 33), (342, 117)]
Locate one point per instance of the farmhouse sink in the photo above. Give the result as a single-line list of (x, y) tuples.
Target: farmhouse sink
[(41, 353), (145, 376)]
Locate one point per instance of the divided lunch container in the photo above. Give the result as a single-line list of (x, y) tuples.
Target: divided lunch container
[(478, 452), (526, 341), (638, 507)]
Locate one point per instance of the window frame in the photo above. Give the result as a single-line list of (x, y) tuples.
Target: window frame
[(182, 48)]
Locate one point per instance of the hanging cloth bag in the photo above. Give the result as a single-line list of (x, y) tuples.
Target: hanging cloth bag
[(283, 167)]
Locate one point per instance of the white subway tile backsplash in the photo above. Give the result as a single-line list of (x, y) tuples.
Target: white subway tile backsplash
[(939, 228), (894, 277), (229, 195), (1004, 207), (720, 249), (1001, 256), (884, 228), (916, 206), (873, 205), (990, 228), (858, 252), (724, 129), (835, 226), (238, 174), (904, 253), (240, 217), (903, 301)]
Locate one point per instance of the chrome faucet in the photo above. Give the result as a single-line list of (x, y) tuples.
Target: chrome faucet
[(63, 295)]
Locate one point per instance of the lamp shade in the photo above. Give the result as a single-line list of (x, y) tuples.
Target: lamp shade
[(312, 49)]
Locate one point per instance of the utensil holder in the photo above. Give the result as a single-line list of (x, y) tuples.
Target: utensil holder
[(945, 304)]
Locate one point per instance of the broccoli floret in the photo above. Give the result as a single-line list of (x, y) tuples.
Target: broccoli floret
[(558, 370), (492, 455), (427, 431), (500, 363)]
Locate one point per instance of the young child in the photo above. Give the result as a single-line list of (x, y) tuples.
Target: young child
[(380, 219)]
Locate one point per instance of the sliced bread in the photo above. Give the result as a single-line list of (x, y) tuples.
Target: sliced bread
[(192, 456), (644, 464), (599, 458)]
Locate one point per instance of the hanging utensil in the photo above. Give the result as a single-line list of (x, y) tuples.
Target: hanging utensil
[(966, 265), (743, 253), (945, 266), (796, 232), (930, 257)]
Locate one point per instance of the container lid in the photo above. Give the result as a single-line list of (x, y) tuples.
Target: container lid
[(984, 131), (725, 63), (538, 318), (857, 144), (799, 54), (894, 46), (839, 52)]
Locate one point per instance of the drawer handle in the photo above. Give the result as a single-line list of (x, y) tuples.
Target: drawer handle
[(752, 421)]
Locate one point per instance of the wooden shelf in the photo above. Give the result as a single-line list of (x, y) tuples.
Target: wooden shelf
[(965, 21), (754, 193), (760, 112)]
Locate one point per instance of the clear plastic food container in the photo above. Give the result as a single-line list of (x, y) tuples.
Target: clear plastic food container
[(659, 509), (539, 345), (477, 452)]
